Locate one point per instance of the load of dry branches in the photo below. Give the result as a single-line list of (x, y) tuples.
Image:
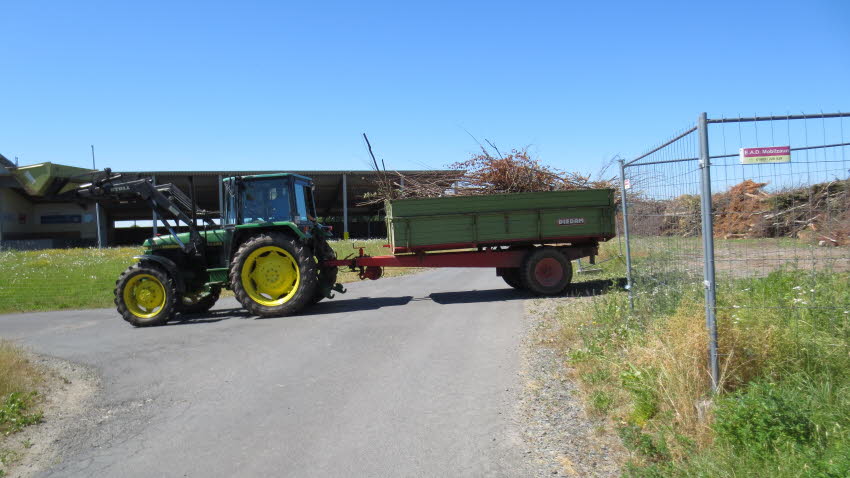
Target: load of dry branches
[(489, 172)]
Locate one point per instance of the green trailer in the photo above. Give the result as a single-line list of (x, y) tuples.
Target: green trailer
[(495, 220), (529, 238)]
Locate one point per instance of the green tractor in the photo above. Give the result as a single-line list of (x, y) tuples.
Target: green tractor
[(269, 249)]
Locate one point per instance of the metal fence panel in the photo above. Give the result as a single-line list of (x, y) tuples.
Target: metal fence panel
[(784, 224)]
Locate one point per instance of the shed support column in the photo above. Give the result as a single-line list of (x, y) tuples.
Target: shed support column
[(344, 207), (101, 224)]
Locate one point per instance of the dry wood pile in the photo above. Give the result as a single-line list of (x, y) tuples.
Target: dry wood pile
[(484, 173), (819, 213), (738, 211)]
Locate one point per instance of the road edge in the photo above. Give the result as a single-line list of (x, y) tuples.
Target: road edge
[(561, 438)]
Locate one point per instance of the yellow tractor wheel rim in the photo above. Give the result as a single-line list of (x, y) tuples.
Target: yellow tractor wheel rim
[(144, 296), (270, 276)]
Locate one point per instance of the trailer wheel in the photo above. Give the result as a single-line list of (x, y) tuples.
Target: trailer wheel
[(545, 271), (145, 295), (511, 277), (273, 275), (199, 301), (327, 275)]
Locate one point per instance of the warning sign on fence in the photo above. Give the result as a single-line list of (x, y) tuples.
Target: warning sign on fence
[(772, 154)]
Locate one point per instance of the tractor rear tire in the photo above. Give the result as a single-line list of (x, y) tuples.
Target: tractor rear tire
[(511, 277), (327, 275), (273, 275), (145, 295), (199, 302), (545, 271)]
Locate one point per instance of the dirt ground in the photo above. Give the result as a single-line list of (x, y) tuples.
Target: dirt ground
[(67, 390), (562, 439), (735, 258)]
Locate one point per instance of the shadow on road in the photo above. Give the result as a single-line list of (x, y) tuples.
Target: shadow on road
[(216, 315), (335, 306), (579, 289), (324, 307), (476, 296)]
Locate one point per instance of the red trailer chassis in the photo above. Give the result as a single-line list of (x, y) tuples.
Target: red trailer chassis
[(371, 267)]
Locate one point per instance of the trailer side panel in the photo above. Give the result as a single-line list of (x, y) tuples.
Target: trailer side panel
[(527, 218)]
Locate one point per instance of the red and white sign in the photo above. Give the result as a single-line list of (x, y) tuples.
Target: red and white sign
[(771, 154)]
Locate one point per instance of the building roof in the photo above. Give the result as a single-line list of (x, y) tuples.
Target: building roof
[(328, 188), (328, 192)]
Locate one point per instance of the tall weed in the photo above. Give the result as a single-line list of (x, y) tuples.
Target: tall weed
[(785, 374)]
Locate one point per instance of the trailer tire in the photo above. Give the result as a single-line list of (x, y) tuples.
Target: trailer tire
[(273, 275), (545, 271), (327, 275), (199, 302), (511, 276), (145, 295)]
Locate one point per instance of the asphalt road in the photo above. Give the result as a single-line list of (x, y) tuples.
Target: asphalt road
[(409, 376)]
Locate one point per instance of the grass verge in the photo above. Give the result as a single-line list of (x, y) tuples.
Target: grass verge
[(57, 279), (785, 406), (18, 380)]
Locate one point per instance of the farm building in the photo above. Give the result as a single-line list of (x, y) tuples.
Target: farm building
[(32, 216)]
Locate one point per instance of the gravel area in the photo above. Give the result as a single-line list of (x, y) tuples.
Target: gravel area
[(67, 392), (561, 439)]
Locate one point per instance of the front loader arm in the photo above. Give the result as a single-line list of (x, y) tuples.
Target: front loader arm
[(172, 204)]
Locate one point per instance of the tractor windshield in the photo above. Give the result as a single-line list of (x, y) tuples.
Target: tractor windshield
[(266, 201)]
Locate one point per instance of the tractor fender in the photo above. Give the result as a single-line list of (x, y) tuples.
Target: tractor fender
[(280, 225), (244, 231), (169, 266)]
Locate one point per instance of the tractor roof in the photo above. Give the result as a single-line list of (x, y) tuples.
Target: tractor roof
[(272, 175)]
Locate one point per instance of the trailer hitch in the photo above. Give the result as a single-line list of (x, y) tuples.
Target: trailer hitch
[(364, 272)]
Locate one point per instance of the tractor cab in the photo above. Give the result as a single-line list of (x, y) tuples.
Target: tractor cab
[(268, 198)]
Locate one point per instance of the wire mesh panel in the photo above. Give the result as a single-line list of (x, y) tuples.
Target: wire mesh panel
[(782, 229), (663, 214), (775, 194)]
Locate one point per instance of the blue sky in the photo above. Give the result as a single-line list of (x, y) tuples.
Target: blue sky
[(284, 85)]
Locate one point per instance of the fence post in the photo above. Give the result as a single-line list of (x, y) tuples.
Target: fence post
[(626, 232), (708, 249)]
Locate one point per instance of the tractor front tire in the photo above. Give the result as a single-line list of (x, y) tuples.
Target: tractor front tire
[(273, 275), (545, 271), (145, 295), (199, 302)]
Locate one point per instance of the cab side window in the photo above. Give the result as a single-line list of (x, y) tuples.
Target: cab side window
[(301, 201), (229, 213)]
